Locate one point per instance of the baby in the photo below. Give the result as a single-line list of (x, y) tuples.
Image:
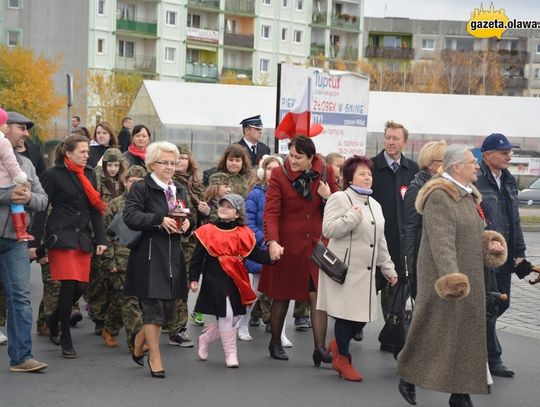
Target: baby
[(12, 174)]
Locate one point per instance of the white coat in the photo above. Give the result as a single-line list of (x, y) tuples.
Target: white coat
[(356, 299)]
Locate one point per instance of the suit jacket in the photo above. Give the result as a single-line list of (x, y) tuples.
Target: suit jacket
[(262, 149), (34, 154)]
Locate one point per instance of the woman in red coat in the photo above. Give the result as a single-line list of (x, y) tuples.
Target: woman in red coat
[(292, 226)]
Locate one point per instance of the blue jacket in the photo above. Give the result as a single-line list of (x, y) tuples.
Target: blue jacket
[(491, 198), (255, 202)]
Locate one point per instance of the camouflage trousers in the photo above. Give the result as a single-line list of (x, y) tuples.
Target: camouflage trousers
[(49, 301), (263, 305), (179, 316)]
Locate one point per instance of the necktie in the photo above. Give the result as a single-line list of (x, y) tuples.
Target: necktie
[(254, 149), (395, 166), (170, 198)]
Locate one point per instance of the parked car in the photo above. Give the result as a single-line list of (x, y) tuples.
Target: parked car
[(530, 195)]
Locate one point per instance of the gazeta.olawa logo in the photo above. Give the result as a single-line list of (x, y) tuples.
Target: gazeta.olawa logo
[(493, 23)]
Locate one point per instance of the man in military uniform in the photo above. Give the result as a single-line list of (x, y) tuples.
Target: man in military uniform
[(252, 128)]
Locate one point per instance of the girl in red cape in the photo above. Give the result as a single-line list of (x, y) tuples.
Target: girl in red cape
[(225, 290)]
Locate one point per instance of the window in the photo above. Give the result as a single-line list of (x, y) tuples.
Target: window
[(101, 7), (299, 4), (428, 45), (265, 31), (194, 20), (264, 65), (538, 48), (126, 49), (125, 11), (101, 46), (170, 54), (285, 3), (14, 4), (537, 73), (284, 34), (267, 2), (298, 36), (170, 18), (13, 38)]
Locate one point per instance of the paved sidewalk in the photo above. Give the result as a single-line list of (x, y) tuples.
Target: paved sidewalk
[(522, 316)]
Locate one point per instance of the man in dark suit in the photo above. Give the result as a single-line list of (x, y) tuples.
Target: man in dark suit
[(392, 174), (252, 130)]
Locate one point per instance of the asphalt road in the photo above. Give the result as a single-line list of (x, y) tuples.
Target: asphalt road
[(108, 377)]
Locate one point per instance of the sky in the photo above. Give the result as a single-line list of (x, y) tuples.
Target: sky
[(450, 9)]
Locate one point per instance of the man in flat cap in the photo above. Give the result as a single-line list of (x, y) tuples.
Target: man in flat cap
[(500, 205), (252, 129), (15, 264)]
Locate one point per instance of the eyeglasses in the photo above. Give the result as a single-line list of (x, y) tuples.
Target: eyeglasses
[(474, 161), (168, 163)]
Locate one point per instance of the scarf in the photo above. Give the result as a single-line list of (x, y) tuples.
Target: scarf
[(421, 178), (136, 151), (303, 182), (93, 196), (360, 190)]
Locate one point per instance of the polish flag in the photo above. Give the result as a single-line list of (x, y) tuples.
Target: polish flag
[(297, 122)]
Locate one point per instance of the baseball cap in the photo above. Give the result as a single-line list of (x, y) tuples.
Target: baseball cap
[(235, 200), (496, 141)]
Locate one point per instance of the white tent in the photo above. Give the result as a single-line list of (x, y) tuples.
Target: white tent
[(207, 116)]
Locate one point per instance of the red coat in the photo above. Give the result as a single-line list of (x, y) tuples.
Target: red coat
[(296, 224)]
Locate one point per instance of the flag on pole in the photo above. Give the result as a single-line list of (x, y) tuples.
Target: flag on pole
[(297, 122)]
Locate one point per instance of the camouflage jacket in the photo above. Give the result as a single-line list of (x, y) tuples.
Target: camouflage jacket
[(116, 256)]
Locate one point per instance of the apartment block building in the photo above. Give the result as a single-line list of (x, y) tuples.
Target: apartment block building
[(399, 42), (183, 40)]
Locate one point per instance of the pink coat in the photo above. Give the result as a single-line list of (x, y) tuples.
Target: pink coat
[(296, 224), (9, 167)]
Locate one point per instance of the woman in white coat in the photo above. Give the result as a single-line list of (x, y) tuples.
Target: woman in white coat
[(354, 223)]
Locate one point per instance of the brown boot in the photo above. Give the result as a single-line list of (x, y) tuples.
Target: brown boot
[(43, 330), (19, 223), (108, 339)]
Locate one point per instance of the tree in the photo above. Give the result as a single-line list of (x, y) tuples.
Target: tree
[(111, 94), (26, 86)]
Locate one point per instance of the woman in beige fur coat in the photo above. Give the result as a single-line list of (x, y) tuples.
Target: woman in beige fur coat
[(446, 345), (354, 223)]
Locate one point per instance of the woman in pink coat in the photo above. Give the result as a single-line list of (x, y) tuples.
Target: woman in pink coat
[(295, 201)]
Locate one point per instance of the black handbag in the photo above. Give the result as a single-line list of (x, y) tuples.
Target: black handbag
[(119, 231), (398, 320), (329, 263)]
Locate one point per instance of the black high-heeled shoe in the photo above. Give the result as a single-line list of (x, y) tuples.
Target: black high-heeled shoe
[(137, 359), (158, 375), (407, 391), (321, 355), (277, 352)]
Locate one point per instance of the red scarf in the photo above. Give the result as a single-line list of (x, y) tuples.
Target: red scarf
[(136, 151), (93, 196)]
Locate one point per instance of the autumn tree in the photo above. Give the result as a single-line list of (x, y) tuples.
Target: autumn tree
[(231, 78), (111, 95), (26, 86)]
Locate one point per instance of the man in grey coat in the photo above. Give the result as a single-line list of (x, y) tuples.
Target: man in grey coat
[(14, 255)]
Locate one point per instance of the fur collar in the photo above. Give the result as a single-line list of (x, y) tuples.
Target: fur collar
[(451, 189)]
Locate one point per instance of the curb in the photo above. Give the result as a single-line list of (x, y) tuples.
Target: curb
[(528, 333)]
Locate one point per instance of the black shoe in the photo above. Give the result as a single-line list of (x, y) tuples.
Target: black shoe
[(53, 331), (359, 336), (387, 348), (268, 328), (460, 400), (137, 359), (98, 330), (69, 353), (157, 375), (501, 370), (407, 391), (254, 321), (321, 355), (277, 352), (75, 317)]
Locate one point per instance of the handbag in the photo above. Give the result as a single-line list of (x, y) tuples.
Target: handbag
[(120, 232), (398, 320), (329, 263)]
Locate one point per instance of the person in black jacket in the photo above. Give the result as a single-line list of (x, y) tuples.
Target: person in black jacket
[(156, 271), (136, 152), (32, 152), (76, 219), (103, 139), (500, 205), (124, 136), (392, 174), (252, 128), (429, 160)]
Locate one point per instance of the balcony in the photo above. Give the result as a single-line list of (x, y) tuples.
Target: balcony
[(515, 83), (345, 53), (319, 19), (201, 72), (203, 35), (240, 73), (346, 21), (513, 57), (204, 4), (317, 49), (390, 53), (137, 26), (238, 40), (240, 6), (137, 63)]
